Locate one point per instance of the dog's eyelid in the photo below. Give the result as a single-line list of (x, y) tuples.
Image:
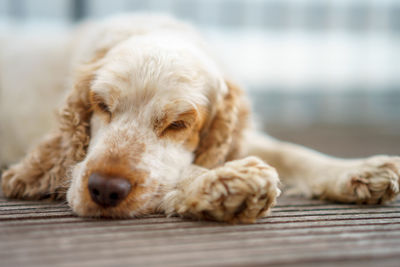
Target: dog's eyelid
[(176, 122), (177, 125), (99, 102), (103, 107)]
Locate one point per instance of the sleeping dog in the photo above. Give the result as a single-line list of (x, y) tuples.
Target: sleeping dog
[(148, 122)]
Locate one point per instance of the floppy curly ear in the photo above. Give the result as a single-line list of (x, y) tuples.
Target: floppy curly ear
[(43, 172), (221, 140)]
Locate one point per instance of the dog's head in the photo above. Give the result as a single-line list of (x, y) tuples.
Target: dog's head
[(146, 109)]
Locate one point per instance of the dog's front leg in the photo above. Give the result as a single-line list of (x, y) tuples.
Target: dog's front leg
[(238, 192), (41, 174)]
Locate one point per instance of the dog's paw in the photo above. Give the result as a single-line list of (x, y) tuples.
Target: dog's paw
[(12, 185), (373, 181), (18, 183), (239, 192)]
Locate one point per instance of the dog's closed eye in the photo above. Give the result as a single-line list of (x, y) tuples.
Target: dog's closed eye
[(103, 107), (98, 104), (177, 125)]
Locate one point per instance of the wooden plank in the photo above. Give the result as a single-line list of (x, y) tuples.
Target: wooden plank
[(103, 239), (195, 252), (298, 231)]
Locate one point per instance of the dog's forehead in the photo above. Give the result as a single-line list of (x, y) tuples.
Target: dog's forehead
[(142, 71)]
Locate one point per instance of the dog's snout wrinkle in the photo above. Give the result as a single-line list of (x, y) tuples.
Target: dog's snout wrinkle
[(108, 191)]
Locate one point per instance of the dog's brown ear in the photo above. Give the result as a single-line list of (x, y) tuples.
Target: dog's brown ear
[(221, 140), (43, 171), (74, 116)]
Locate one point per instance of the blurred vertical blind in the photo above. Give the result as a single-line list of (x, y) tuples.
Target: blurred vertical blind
[(321, 60), (311, 15)]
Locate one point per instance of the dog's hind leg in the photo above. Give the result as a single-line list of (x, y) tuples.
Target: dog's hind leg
[(370, 180)]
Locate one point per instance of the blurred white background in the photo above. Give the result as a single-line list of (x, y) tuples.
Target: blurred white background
[(304, 62)]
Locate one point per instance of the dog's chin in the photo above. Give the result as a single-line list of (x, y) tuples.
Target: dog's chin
[(106, 213), (93, 210)]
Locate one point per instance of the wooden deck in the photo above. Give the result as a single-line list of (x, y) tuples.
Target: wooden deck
[(299, 231)]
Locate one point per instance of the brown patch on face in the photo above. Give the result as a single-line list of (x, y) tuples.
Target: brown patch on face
[(183, 128), (100, 106), (193, 139), (117, 167)]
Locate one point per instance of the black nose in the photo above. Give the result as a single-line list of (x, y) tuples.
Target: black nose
[(108, 191)]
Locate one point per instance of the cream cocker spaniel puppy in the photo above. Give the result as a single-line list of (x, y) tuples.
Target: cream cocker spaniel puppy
[(151, 124)]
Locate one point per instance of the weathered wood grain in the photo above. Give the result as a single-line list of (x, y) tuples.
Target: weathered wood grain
[(299, 231)]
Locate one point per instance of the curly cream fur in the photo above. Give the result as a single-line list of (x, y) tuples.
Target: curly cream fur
[(147, 102)]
